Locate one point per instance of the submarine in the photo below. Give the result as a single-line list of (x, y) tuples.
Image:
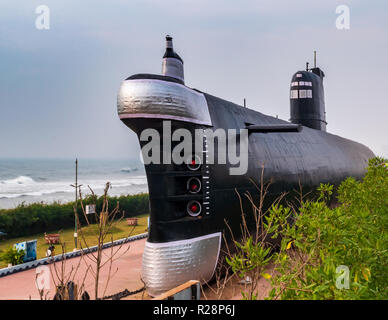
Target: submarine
[(190, 201)]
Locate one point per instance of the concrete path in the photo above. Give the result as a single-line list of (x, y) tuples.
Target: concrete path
[(125, 274)]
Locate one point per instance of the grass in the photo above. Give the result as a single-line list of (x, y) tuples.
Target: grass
[(119, 231)]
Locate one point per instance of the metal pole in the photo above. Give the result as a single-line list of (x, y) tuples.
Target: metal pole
[(76, 203)]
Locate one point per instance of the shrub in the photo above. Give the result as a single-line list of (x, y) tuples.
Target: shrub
[(328, 252), (27, 220), (323, 242), (12, 256)]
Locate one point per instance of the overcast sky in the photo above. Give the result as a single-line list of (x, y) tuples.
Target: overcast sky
[(58, 87)]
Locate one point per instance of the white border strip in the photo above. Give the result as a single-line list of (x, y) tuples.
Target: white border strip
[(188, 241), (161, 116), (195, 102), (182, 242)]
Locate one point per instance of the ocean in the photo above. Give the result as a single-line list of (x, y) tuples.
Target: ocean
[(49, 180)]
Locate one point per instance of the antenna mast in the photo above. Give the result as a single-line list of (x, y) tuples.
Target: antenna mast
[(75, 205)]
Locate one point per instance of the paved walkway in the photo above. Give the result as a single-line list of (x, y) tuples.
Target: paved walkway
[(125, 274)]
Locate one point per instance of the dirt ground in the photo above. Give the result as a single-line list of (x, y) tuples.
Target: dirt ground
[(125, 274), (233, 288)]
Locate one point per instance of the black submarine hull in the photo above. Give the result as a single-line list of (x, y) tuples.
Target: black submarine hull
[(181, 247)]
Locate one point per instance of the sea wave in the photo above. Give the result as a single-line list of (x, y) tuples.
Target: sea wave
[(25, 186), (26, 194), (19, 180)]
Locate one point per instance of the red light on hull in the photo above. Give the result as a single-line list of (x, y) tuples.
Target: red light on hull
[(194, 163), (194, 185), (194, 208)]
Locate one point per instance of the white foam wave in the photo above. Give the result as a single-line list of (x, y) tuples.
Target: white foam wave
[(19, 180), (25, 186)]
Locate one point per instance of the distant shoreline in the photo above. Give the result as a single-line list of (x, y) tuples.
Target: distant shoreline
[(49, 180), (13, 203)]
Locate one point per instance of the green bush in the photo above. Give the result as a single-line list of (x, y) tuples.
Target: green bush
[(13, 256), (323, 241), (323, 246), (35, 218)]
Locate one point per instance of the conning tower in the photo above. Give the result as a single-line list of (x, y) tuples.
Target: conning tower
[(307, 101)]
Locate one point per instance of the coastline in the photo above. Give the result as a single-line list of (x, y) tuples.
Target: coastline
[(31, 181)]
